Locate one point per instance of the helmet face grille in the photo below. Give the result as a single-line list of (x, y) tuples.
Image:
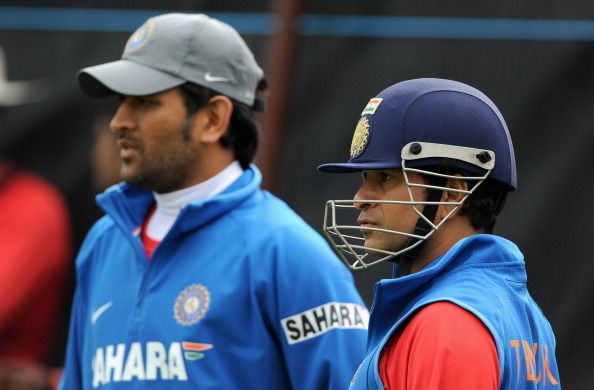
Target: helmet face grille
[(348, 239)]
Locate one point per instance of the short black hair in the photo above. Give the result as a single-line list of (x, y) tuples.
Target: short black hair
[(484, 205), (243, 135)]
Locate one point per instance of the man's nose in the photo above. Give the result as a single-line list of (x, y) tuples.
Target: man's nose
[(123, 119), (362, 194)]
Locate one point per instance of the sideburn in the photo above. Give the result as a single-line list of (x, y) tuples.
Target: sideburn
[(187, 127)]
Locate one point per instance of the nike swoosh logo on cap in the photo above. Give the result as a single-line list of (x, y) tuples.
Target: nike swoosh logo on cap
[(97, 313), (215, 79)]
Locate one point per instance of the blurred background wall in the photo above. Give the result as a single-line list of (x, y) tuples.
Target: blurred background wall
[(324, 60)]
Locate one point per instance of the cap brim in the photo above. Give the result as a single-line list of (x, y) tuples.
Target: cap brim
[(124, 77), (357, 167)]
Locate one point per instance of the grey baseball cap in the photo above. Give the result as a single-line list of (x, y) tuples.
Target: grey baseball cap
[(172, 49)]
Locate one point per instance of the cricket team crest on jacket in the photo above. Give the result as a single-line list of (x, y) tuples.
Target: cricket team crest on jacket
[(191, 304)]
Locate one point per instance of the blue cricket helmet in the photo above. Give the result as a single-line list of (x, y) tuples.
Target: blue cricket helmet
[(435, 111)]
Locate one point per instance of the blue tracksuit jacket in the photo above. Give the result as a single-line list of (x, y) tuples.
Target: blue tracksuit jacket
[(240, 294), (484, 274)]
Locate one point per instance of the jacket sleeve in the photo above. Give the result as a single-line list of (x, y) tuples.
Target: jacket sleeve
[(72, 376), (321, 319)]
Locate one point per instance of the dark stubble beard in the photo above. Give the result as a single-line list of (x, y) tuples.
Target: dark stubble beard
[(170, 172)]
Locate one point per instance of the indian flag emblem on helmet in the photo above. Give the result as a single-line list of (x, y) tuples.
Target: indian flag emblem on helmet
[(191, 304), (372, 106), (360, 137)]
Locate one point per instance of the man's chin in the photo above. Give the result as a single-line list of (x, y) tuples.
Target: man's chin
[(133, 178), (372, 248)]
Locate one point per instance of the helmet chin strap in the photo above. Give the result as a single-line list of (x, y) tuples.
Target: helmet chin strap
[(422, 228)]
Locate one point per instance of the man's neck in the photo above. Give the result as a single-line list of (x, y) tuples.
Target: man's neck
[(453, 230), (170, 205)]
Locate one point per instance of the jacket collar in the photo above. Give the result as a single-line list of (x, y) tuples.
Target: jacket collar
[(393, 297), (128, 205)]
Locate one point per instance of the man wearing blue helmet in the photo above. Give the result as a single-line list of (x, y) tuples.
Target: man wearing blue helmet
[(437, 163)]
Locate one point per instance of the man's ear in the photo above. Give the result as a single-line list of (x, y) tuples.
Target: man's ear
[(215, 117), (457, 185)]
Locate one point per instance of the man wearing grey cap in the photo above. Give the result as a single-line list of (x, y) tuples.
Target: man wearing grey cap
[(196, 278)]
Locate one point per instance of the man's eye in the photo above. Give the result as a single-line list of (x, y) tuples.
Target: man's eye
[(385, 176), (141, 101)]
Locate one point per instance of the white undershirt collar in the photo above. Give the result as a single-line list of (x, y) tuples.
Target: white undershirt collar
[(169, 205)]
